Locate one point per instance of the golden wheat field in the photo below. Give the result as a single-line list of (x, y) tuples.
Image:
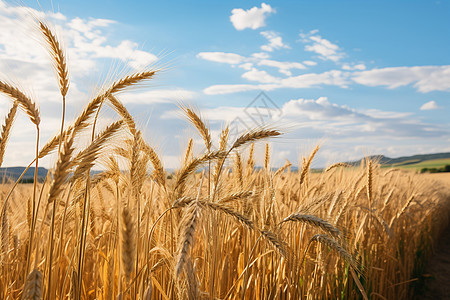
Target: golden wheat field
[(217, 228)]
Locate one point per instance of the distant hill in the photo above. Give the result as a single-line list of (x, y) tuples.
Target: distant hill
[(404, 160), (13, 173)]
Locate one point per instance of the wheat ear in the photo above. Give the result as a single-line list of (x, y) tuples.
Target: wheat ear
[(123, 112), (369, 182), (314, 221), (86, 158), (24, 101), (254, 135), (58, 57), (267, 157), (273, 239), (236, 196), (33, 286), (326, 240), (159, 172), (188, 225), (6, 130), (194, 165), (238, 169), (222, 146), (229, 211), (189, 151), (286, 165), (198, 123), (336, 165), (307, 164), (5, 231), (62, 170), (128, 242)]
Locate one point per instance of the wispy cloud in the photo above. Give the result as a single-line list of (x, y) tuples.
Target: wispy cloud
[(157, 96), (284, 67), (326, 49), (275, 41), (431, 105), (259, 58), (222, 57), (351, 67), (424, 78), (308, 80), (253, 18)]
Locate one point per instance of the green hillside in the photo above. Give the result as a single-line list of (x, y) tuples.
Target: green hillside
[(432, 163)]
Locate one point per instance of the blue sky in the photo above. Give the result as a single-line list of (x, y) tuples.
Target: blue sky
[(359, 77)]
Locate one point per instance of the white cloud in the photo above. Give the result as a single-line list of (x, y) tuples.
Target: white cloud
[(326, 49), (222, 57), (283, 66), (309, 63), (275, 41), (260, 76), (333, 120), (349, 67), (246, 66), (157, 96), (261, 55), (431, 105), (424, 78), (247, 63), (333, 77), (222, 89), (253, 18)]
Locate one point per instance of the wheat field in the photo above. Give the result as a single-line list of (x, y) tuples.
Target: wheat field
[(217, 228)]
